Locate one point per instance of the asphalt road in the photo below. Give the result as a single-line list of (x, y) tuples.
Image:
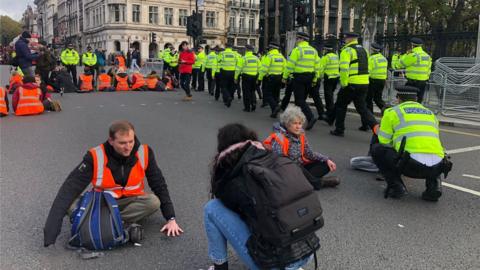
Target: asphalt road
[(362, 230)]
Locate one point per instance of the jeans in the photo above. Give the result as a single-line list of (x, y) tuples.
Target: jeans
[(185, 83), (223, 225), (134, 64)]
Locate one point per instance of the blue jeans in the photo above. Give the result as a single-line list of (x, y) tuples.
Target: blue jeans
[(223, 225)]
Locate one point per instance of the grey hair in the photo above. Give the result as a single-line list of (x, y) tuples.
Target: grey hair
[(291, 114)]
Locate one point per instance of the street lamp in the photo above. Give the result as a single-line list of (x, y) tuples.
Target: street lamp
[(41, 20)]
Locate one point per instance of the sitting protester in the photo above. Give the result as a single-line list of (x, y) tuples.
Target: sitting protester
[(122, 83), (61, 80), (237, 214), (15, 81), (4, 105), (105, 167), (152, 82), (288, 139), (85, 82), (27, 98), (49, 104), (138, 82), (105, 82)]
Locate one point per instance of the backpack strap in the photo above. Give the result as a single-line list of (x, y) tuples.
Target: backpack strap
[(86, 211), (113, 207)]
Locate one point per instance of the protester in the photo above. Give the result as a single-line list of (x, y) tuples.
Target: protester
[(138, 82), (122, 82), (186, 59), (4, 104), (85, 83), (105, 82), (49, 104), (123, 155), (16, 79), (288, 139), (135, 55), (45, 64), (24, 55)]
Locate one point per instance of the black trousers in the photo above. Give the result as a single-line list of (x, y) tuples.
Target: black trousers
[(301, 84), (166, 66), (317, 100), (198, 76), (238, 89), (210, 81), (421, 85), (271, 90), (72, 69), (249, 84), (44, 74), (385, 158), (228, 85), (357, 94), (317, 170), (287, 96), (185, 83), (329, 86), (218, 85), (374, 94)]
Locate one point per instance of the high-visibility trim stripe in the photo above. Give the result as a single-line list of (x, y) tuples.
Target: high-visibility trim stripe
[(141, 156), (415, 123), (20, 105), (133, 187), (416, 134), (385, 135), (100, 160)]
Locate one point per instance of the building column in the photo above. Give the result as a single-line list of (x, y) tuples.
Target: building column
[(326, 17), (339, 17)]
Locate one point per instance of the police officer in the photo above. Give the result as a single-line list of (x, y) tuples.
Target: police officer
[(330, 64), (209, 67), (89, 60), (354, 83), (377, 68), (302, 64), (418, 66), (198, 70), (167, 57), (395, 59), (409, 144), (238, 54), (70, 59), (272, 67), (248, 66), (226, 66), (217, 74)]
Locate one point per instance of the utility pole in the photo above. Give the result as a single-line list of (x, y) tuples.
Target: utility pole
[(276, 35), (265, 24), (311, 19), (477, 60)]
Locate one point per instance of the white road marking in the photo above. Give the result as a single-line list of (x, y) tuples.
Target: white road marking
[(459, 132), (463, 150), (78, 107), (175, 103), (159, 103), (143, 104), (101, 106), (401, 226), (471, 176), (461, 188), (122, 105)]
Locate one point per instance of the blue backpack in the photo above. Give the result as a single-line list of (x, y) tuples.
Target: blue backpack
[(96, 223)]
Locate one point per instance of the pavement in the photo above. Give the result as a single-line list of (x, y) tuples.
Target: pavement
[(362, 229)]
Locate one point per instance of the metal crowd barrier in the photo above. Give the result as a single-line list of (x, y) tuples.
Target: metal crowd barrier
[(152, 64)]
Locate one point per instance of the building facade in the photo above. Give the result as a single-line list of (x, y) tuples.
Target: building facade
[(243, 19), (47, 20), (29, 20)]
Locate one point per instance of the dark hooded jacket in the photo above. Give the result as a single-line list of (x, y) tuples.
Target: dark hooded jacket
[(24, 55)]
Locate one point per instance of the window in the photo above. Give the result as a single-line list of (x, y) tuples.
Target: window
[(117, 13), (232, 21), (182, 17), (152, 15), (253, 42), (252, 23), (168, 16), (242, 21), (211, 19), (136, 13)]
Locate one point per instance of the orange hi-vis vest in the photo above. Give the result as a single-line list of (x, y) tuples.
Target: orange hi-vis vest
[(121, 62), (122, 83), (29, 102), (102, 179), (169, 85), (15, 79), (152, 82), (86, 82), (285, 144), (139, 81), (104, 81), (3, 104)]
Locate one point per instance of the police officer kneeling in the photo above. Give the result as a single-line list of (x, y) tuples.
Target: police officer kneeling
[(409, 145)]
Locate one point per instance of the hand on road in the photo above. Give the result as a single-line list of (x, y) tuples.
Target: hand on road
[(331, 165), (172, 229)]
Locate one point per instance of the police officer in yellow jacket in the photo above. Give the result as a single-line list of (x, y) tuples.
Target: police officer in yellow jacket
[(418, 66), (354, 82), (331, 73), (226, 66), (409, 144), (271, 69), (209, 67), (166, 57), (302, 65), (248, 66), (198, 70), (70, 59), (89, 60), (377, 68)]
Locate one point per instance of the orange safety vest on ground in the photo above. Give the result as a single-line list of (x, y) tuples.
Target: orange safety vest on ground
[(50, 88), (102, 179), (121, 62), (3, 104), (15, 79), (152, 82), (29, 102), (285, 144), (104, 81), (122, 83), (86, 82), (139, 81), (169, 85)]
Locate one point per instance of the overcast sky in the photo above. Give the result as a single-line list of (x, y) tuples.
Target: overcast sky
[(14, 8)]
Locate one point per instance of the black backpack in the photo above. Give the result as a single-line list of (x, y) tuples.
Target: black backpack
[(287, 211), (362, 59)]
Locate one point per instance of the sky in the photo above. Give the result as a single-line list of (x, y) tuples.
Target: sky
[(14, 8)]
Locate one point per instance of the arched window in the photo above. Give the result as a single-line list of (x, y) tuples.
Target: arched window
[(232, 21)]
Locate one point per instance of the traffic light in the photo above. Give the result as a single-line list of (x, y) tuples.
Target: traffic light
[(194, 25), (154, 37), (301, 15)]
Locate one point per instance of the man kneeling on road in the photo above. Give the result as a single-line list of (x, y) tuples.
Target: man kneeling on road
[(118, 167)]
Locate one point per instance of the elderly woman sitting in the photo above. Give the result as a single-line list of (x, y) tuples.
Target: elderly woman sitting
[(288, 139)]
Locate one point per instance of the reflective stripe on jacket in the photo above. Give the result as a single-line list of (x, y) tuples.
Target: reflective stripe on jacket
[(122, 83), (86, 82), (139, 81), (417, 64), (285, 144), (303, 59), (3, 104), (247, 65), (349, 65), (29, 102), (377, 66), (105, 81)]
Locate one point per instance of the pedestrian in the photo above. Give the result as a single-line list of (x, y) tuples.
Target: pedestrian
[(314, 91), (377, 68), (24, 56), (354, 82), (105, 168), (248, 66), (70, 60), (228, 216), (302, 64), (210, 67), (101, 59), (89, 60), (136, 58), (226, 66), (418, 66), (186, 59), (198, 72), (45, 63), (330, 64), (271, 70), (288, 139), (409, 144), (120, 61)]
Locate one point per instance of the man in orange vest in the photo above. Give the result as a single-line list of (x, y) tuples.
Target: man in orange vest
[(120, 61), (138, 82), (27, 98), (3, 102), (15, 81), (122, 83), (118, 166), (152, 82), (85, 84), (105, 82)]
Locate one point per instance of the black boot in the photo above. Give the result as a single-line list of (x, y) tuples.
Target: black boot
[(395, 188), (311, 123), (433, 191), (337, 132)]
